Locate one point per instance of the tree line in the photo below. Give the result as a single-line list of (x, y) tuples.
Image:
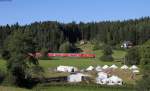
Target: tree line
[(51, 34)]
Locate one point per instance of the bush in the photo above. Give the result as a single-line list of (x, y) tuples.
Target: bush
[(69, 48), (132, 57), (2, 76), (65, 47), (44, 52), (106, 58), (107, 54), (96, 46), (143, 84)]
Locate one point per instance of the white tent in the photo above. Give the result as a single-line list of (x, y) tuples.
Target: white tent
[(124, 67), (105, 67), (66, 69), (76, 77), (98, 68), (102, 81), (90, 68), (102, 78), (102, 75), (113, 66), (114, 80), (133, 67), (136, 71)]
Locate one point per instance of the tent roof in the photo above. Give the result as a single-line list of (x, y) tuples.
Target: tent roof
[(114, 66), (133, 67), (105, 67), (115, 78), (124, 67), (90, 68)]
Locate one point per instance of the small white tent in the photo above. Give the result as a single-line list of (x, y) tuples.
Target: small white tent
[(136, 71), (114, 80), (98, 68), (76, 77), (105, 67), (124, 67), (102, 78), (90, 68), (133, 67), (102, 75), (102, 81), (66, 69), (113, 66)]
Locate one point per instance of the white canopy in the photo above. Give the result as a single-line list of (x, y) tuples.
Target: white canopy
[(113, 66), (102, 78), (115, 80), (66, 69), (102, 81), (105, 67), (133, 67), (124, 67), (136, 71), (90, 68), (76, 77), (102, 75), (98, 68)]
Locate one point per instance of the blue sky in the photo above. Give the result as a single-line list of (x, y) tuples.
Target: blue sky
[(27, 11)]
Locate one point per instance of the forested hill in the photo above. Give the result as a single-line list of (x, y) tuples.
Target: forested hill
[(51, 34)]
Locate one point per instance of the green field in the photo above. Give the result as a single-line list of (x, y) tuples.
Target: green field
[(64, 88), (81, 63), (85, 88)]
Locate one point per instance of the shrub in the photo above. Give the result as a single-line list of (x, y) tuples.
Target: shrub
[(69, 48), (106, 58), (107, 54), (132, 57), (2, 76), (65, 47)]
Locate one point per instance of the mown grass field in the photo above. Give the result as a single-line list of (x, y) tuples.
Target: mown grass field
[(4, 88), (81, 63), (85, 88), (64, 88)]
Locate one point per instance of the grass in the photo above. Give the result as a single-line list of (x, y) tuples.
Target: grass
[(80, 63), (4, 88), (2, 64), (84, 88), (65, 88)]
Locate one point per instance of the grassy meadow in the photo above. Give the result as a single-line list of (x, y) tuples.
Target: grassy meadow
[(65, 88), (81, 63)]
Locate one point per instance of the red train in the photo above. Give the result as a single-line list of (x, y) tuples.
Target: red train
[(71, 55)]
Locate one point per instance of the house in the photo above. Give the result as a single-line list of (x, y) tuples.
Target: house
[(66, 69), (127, 44)]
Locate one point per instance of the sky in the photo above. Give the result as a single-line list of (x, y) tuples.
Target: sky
[(28, 11)]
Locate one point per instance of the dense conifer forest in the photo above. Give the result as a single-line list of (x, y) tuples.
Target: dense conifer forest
[(51, 34)]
